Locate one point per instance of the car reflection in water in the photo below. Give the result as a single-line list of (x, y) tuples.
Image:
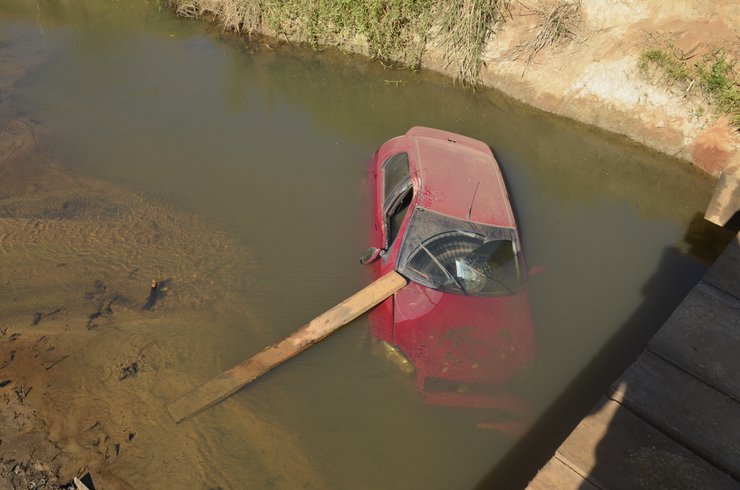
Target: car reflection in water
[(442, 218)]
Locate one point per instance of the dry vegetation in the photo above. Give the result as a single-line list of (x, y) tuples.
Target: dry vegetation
[(392, 31), (559, 23), (464, 30)]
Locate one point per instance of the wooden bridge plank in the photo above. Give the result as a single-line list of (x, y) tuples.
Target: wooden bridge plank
[(619, 450), (702, 337), (691, 412), (557, 475), (725, 273)]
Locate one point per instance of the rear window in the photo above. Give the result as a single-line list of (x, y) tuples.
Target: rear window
[(460, 257), (464, 263), (395, 174)]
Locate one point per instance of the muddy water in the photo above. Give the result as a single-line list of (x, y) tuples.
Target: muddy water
[(147, 147)]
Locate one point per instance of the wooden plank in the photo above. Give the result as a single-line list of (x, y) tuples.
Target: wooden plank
[(702, 337), (225, 384), (78, 483), (691, 412), (617, 449), (557, 475), (725, 273), (725, 200)]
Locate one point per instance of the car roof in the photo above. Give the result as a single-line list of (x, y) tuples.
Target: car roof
[(458, 176)]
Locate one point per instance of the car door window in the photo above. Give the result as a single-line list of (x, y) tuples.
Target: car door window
[(395, 174), (397, 213), (397, 193)]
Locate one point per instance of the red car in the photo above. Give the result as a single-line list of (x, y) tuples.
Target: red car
[(442, 218)]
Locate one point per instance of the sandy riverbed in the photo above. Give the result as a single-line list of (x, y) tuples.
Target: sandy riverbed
[(85, 370)]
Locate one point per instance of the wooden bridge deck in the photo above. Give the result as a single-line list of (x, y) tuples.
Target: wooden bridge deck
[(673, 419)]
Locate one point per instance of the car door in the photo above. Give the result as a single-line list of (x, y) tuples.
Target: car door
[(393, 197), (397, 196)]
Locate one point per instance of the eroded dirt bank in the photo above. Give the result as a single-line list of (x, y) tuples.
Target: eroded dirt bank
[(576, 58), (87, 361), (595, 77)]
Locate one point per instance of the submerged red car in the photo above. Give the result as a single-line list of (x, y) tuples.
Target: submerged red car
[(442, 219)]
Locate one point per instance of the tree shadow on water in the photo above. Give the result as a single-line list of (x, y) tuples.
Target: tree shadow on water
[(679, 270)]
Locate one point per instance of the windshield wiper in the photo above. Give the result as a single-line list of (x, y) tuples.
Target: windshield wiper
[(497, 281), (444, 269)]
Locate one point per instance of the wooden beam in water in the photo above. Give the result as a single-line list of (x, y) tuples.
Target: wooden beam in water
[(222, 386)]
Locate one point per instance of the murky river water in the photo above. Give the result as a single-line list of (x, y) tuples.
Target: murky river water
[(269, 148)]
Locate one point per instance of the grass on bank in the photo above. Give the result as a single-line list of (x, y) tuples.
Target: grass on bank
[(394, 31), (715, 76), (559, 23), (464, 29)]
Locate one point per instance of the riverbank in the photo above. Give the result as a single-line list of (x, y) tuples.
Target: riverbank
[(581, 59)]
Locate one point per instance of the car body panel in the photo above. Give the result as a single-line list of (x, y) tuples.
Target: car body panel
[(459, 181)]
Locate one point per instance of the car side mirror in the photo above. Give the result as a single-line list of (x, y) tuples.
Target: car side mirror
[(536, 270), (370, 255)]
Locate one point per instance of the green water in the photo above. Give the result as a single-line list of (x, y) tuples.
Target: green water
[(271, 145)]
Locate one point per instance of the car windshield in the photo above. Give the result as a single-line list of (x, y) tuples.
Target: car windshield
[(461, 257)]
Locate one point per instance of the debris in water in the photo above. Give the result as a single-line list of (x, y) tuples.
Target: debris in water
[(100, 288), (11, 356), (22, 393), (149, 305), (41, 315), (156, 292), (102, 310), (5, 383), (56, 362), (129, 371)]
